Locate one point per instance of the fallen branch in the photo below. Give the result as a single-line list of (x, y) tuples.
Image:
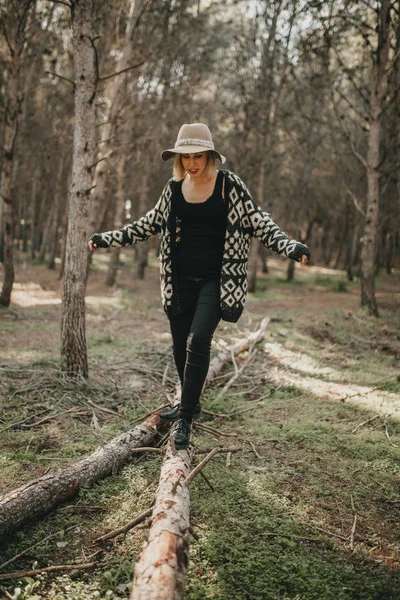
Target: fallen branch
[(218, 363), (202, 464), (122, 530), (41, 495), (48, 537), (365, 423), (353, 530), (56, 568)]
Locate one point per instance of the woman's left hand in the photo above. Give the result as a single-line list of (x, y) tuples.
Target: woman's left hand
[(303, 260)]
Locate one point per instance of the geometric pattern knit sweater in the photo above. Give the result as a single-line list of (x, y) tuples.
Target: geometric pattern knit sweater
[(245, 219)]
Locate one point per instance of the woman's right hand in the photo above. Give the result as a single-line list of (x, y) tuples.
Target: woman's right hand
[(97, 241)]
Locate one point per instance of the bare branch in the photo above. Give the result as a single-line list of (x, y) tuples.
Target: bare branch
[(3, 26), (348, 137), (60, 77), (122, 71), (346, 99), (61, 2), (354, 198)]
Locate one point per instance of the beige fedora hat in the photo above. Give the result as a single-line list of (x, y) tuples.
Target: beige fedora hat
[(193, 137)]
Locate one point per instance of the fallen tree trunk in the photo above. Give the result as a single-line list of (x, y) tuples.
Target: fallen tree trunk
[(218, 363), (161, 569), (41, 495)]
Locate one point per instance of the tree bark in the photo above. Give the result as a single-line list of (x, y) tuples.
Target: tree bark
[(161, 568), (369, 239), (115, 95), (73, 337), (118, 220), (41, 495), (16, 37)]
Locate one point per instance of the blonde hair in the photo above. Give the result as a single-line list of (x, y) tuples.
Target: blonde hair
[(179, 172)]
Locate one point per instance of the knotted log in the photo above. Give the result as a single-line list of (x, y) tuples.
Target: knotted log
[(161, 568), (41, 495)]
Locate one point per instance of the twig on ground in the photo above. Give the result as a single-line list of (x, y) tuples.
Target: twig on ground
[(241, 411), (75, 410), (365, 423), (158, 409), (165, 374), (122, 530), (343, 398), (238, 372), (48, 537), (330, 533), (387, 431), (221, 449), (216, 432), (104, 409), (235, 366), (56, 568), (208, 482), (353, 530), (41, 412), (202, 464), (228, 459), (5, 593), (254, 449), (193, 533), (148, 449), (214, 414)]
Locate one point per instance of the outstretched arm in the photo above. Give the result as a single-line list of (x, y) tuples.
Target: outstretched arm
[(268, 232), (135, 232)]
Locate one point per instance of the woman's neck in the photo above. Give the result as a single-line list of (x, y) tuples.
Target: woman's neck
[(204, 179)]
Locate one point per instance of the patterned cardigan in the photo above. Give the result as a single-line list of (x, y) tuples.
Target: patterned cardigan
[(245, 219)]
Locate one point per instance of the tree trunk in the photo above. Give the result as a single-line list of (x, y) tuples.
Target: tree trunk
[(54, 233), (114, 93), (253, 265), (161, 568), (73, 337), (263, 255), (41, 495), (118, 221), (378, 77), (10, 134), (389, 252), (34, 217), (290, 270)]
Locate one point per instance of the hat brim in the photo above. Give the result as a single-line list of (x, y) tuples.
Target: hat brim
[(170, 153)]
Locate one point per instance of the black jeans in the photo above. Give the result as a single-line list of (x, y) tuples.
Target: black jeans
[(192, 332)]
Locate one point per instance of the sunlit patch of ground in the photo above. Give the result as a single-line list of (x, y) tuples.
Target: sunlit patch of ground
[(301, 370), (32, 294)]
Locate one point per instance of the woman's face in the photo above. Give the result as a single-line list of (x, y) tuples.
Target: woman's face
[(195, 164)]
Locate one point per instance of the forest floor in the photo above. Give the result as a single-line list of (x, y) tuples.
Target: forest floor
[(307, 510)]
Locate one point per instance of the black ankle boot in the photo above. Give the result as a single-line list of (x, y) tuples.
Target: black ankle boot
[(181, 433), (172, 414)]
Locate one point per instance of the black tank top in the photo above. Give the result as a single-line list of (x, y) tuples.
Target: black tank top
[(200, 241)]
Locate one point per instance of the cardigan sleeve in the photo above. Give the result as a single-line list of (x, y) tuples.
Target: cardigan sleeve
[(138, 231), (264, 228)]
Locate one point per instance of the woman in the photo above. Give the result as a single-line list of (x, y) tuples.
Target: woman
[(205, 219)]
